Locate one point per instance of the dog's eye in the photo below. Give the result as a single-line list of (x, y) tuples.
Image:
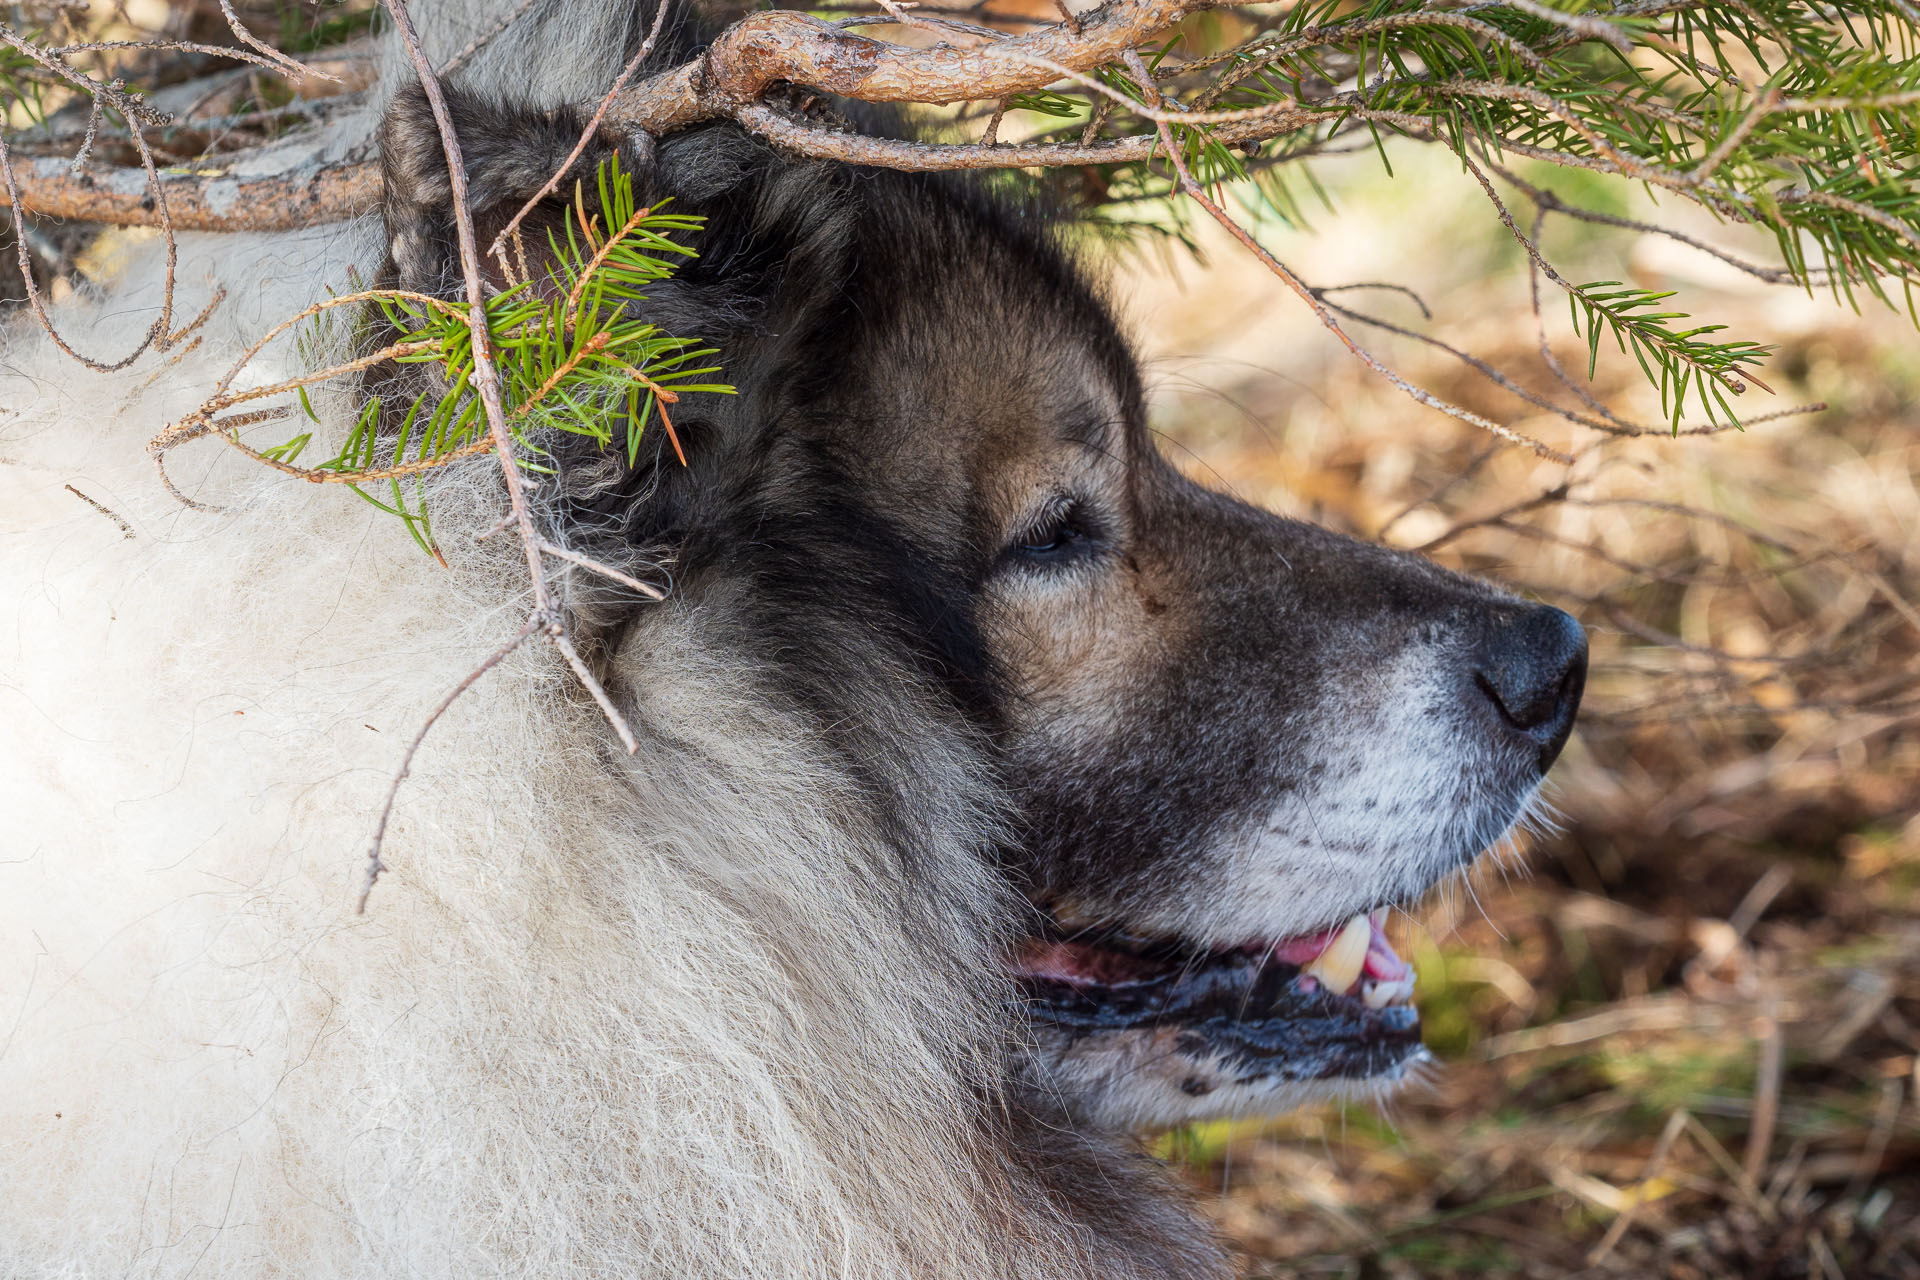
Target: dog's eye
[(1058, 528)]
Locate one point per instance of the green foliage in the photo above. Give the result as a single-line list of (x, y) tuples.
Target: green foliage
[(1046, 102), (572, 356), (1673, 359), (1796, 118)]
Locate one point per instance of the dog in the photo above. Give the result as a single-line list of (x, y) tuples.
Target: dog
[(1001, 794)]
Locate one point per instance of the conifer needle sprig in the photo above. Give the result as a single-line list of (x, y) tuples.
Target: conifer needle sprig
[(1799, 119), (573, 355)]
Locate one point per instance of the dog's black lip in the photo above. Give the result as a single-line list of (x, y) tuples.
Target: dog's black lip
[(1237, 1003)]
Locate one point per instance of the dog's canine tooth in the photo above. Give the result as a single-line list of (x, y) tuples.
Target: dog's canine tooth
[(1339, 965)]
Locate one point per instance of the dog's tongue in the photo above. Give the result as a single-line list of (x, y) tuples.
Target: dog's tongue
[(1341, 958)]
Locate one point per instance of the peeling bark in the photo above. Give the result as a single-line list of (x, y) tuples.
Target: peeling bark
[(211, 198)]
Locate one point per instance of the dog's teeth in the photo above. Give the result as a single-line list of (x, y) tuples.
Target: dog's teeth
[(1339, 965), (1379, 995)]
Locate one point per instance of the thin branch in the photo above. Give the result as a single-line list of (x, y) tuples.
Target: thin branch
[(203, 198), (129, 105), (545, 617), (160, 333), (375, 866), (1196, 193), (486, 37), (497, 248), (126, 529), (646, 589), (599, 695), (486, 378), (1548, 200), (277, 60), (933, 157)]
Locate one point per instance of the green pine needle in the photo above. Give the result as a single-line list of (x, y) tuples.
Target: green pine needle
[(1796, 118), (572, 355)]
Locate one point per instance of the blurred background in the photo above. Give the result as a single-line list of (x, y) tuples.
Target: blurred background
[(1676, 1032)]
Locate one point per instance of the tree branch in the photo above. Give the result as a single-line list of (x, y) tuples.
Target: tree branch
[(208, 199), (727, 81), (764, 48)]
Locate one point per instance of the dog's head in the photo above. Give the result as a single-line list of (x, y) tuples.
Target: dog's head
[(1228, 740)]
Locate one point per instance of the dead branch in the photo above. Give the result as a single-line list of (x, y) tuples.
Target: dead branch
[(627, 580), (765, 48), (727, 81), (277, 60), (160, 333), (374, 865), (486, 37), (201, 199), (545, 616), (126, 530), (497, 248)]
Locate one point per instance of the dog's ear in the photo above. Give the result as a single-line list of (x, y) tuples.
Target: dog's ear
[(774, 241), (771, 262), (509, 155), (771, 254)]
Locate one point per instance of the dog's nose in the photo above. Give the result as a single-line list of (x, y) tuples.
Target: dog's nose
[(1532, 666)]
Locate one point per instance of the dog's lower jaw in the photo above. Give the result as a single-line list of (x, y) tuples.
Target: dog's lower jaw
[(1147, 1082)]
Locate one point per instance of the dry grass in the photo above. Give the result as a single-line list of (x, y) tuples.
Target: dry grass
[(1689, 1044)]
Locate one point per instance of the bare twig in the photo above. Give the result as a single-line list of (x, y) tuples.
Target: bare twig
[(125, 528), (1885, 1114), (1766, 1088), (375, 866), (497, 248), (1196, 193), (545, 617), (486, 378), (932, 157), (1655, 1162), (272, 60), (486, 37), (160, 333), (599, 695), (278, 60), (604, 570)]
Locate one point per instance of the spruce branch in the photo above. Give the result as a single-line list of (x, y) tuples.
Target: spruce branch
[(571, 357)]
